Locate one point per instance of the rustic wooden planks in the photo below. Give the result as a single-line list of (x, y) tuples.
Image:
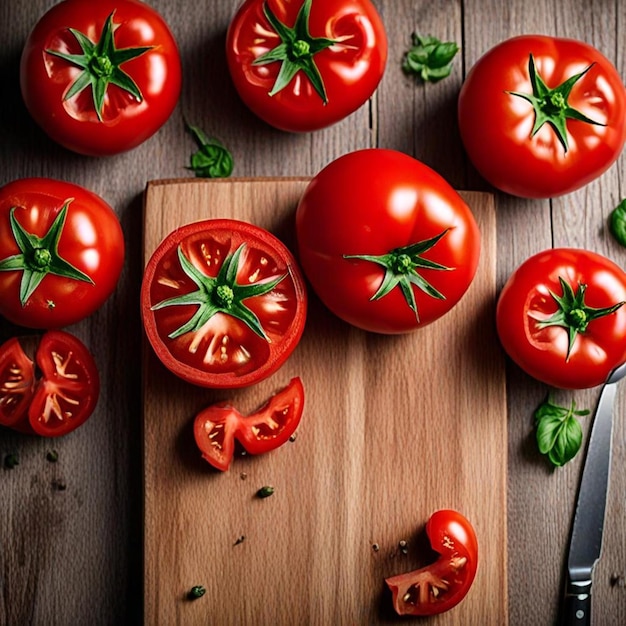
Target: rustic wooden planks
[(394, 429)]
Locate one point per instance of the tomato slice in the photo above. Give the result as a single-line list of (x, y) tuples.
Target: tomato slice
[(223, 303), (442, 585), (68, 390), (217, 427), (17, 379)]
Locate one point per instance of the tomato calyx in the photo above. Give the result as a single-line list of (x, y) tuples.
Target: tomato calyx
[(220, 294), (212, 159), (39, 256), (401, 265), (551, 105), (100, 62), (573, 314), (296, 50)]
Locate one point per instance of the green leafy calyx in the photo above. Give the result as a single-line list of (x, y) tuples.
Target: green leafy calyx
[(39, 256), (219, 294), (573, 314), (101, 63), (429, 58), (296, 50), (551, 105), (559, 434), (401, 270)]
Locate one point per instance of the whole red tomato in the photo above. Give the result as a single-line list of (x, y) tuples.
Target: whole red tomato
[(53, 398), (61, 252), (561, 318), (386, 243), (541, 116), (301, 65), (223, 303), (217, 427), (442, 585), (100, 77)]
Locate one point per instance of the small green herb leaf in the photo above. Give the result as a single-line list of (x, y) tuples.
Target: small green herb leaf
[(265, 491), (617, 223), (11, 461), (212, 160), (197, 591), (559, 434), (429, 58)]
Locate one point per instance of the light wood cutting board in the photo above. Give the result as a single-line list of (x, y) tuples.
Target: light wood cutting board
[(394, 428)]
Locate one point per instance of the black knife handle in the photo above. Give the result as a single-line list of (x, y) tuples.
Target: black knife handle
[(577, 604)]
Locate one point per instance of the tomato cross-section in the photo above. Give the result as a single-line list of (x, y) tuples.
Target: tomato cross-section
[(223, 303)]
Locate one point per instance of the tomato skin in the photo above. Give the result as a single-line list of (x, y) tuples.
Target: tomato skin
[(126, 122), (92, 241), (217, 427), (371, 202), (59, 396), (542, 353), (223, 352), (452, 536), (496, 125), (350, 74)]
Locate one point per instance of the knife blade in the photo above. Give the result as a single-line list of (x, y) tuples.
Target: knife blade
[(586, 536)]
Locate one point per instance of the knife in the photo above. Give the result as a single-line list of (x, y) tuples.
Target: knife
[(586, 537)]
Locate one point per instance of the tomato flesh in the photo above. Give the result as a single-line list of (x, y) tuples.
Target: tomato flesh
[(217, 343), (440, 586), (217, 427), (58, 396)]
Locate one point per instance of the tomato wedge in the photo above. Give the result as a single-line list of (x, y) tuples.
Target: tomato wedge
[(217, 427), (223, 303), (442, 585), (55, 397)]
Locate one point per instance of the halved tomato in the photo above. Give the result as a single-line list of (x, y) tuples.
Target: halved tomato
[(223, 303), (55, 397)]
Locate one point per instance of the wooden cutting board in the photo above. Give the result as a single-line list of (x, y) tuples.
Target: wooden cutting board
[(394, 428)]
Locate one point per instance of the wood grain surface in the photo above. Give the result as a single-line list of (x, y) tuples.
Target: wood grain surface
[(394, 429), (73, 556)]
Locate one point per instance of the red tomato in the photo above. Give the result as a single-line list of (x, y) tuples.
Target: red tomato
[(560, 317), (386, 243), (441, 586), (223, 303), (541, 116), (217, 427), (61, 252), (55, 397), (100, 77), (301, 65)]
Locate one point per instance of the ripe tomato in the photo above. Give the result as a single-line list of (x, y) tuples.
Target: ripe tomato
[(541, 116), (560, 317), (217, 427), (442, 585), (61, 252), (386, 243), (100, 77), (53, 398), (223, 303), (301, 65)]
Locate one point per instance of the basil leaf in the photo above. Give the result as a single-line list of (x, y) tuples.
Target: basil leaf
[(559, 434), (617, 223), (212, 160), (429, 58)]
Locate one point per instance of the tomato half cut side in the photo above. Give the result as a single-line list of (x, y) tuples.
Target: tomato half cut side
[(68, 391), (17, 378), (273, 424), (223, 303), (440, 586)]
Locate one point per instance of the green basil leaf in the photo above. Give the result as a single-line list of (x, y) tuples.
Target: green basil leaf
[(567, 443), (617, 223)]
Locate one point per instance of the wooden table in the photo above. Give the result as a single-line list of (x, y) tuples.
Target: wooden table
[(73, 555)]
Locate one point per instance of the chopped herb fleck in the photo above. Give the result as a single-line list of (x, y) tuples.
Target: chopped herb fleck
[(197, 591), (10, 461), (52, 456), (265, 491), (239, 540)]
